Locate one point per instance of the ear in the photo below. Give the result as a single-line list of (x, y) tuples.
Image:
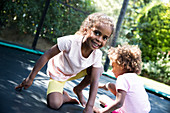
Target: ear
[(85, 31)]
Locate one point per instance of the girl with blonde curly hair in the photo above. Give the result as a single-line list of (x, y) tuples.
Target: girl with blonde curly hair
[(129, 90)]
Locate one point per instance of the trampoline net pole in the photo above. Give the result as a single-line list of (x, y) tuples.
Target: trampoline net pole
[(40, 24)]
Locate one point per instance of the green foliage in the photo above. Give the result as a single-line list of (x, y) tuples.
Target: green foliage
[(154, 31), (60, 19), (129, 25), (110, 7), (158, 70)]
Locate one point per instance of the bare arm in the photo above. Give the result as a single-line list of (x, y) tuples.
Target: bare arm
[(109, 86), (95, 75), (120, 97), (39, 64)]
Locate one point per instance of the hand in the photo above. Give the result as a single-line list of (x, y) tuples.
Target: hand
[(103, 86), (25, 84)]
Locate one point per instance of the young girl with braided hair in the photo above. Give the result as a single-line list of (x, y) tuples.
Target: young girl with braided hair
[(73, 57)]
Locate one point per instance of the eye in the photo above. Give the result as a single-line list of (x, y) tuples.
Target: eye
[(97, 33), (105, 37)]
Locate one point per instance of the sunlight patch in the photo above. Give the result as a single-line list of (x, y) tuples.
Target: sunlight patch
[(12, 82), (40, 72), (31, 61)]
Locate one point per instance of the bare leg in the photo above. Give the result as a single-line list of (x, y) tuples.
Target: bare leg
[(55, 100), (78, 89), (84, 83)]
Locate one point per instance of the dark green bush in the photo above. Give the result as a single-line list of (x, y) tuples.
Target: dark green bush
[(63, 17)]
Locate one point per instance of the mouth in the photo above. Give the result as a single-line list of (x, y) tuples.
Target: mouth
[(95, 45)]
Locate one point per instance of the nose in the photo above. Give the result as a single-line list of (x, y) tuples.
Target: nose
[(100, 39)]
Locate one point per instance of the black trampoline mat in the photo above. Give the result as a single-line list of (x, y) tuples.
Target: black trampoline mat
[(16, 65)]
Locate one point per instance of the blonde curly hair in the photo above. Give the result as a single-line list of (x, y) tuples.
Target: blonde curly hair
[(127, 56), (94, 19)]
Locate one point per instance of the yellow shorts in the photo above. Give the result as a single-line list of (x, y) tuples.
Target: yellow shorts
[(58, 86)]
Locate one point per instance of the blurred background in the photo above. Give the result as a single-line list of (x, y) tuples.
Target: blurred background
[(146, 23)]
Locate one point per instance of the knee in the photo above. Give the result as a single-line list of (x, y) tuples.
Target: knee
[(54, 103)]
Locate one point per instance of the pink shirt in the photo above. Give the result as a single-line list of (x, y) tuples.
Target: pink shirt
[(70, 61), (136, 100)]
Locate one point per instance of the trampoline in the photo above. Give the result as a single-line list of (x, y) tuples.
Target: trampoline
[(16, 64)]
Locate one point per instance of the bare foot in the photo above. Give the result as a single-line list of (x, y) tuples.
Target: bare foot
[(80, 96), (69, 99)]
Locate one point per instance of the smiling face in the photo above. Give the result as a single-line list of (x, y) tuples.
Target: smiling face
[(96, 37)]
